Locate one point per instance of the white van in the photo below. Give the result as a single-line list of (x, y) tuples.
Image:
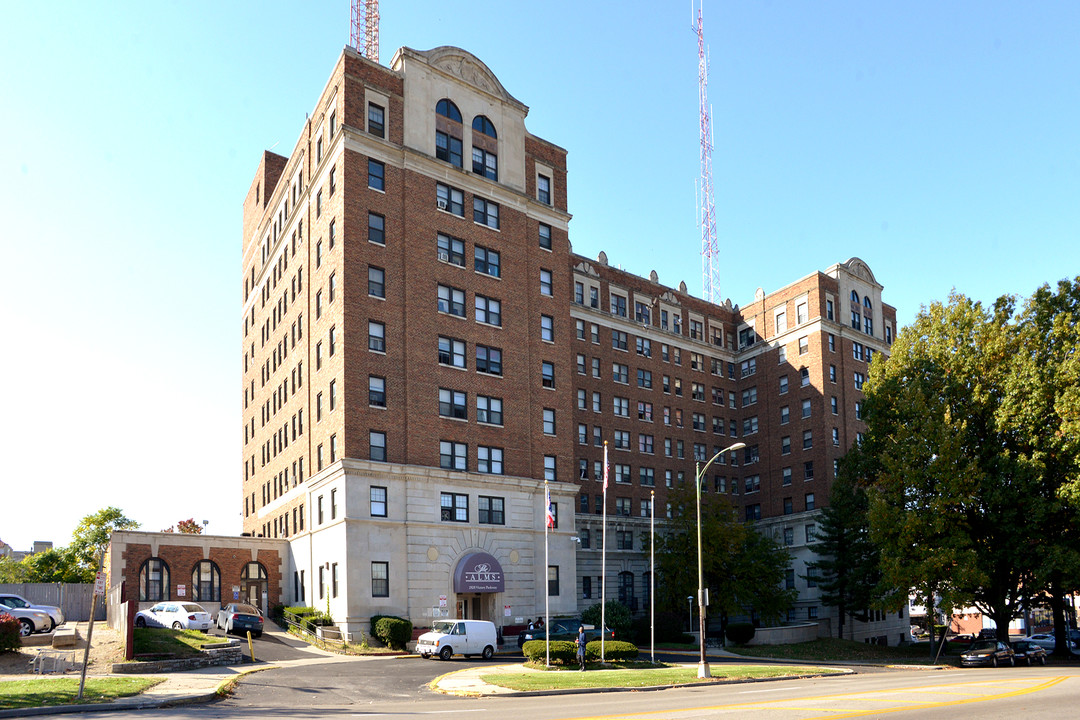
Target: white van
[(458, 637)]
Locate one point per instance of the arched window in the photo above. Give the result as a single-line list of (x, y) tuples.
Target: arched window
[(484, 126), (485, 151), (206, 582), (448, 145), (253, 571), (854, 297), (448, 109), (154, 581), (866, 302)]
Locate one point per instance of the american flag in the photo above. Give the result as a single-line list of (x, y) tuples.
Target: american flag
[(550, 509)]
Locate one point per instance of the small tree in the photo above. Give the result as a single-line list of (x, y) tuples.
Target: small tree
[(616, 615)]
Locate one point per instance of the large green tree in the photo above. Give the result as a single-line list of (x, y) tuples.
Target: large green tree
[(848, 568), (950, 506), (91, 535), (743, 569), (1040, 417)]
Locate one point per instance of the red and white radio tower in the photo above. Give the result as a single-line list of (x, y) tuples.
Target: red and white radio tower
[(365, 28), (710, 253)]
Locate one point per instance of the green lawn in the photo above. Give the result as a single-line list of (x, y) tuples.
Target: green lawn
[(830, 649), (571, 678), (176, 643), (35, 692)]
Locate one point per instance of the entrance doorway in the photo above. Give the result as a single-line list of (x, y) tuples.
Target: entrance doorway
[(254, 585), (473, 607)]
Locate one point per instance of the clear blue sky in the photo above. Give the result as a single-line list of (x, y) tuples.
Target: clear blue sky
[(939, 141)]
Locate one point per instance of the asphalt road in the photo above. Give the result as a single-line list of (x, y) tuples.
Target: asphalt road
[(381, 687), (275, 647)]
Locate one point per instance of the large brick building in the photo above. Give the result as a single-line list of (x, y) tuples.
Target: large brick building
[(422, 352)]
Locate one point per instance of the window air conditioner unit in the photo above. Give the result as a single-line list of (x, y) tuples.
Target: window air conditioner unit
[(442, 204), (444, 256)]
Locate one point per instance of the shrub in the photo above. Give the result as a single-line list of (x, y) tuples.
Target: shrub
[(616, 615), (740, 633), (9, 633), (277, 614), (613, 650), (563, 652), (394, 632), (318, 619)]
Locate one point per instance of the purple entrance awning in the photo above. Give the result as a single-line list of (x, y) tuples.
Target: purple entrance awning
[(478, 572)]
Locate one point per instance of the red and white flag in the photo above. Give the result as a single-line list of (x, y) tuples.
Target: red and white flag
[(550, 510)]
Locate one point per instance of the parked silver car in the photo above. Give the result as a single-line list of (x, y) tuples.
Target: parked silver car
[(56, 615), (30, 620)]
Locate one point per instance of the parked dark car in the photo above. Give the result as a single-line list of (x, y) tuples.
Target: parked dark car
[(1029, 652), (240, 617), (564, 629), (987, 652)]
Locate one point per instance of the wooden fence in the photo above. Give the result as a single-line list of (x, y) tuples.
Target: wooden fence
[(73, 598)]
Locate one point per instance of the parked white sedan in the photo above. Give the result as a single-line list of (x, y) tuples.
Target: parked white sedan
[(1046, 641), (179, 616)]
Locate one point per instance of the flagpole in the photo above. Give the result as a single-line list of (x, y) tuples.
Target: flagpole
[(603, 562), (652, 576), (547, 580)]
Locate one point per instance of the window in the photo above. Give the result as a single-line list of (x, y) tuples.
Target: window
[(786, 475), (486, 261), (832, 343), (376, 225), (452, 404), (753, 512), (829, 309), (808, 472), (376, 123), (858, 410), (621, 406), (832, 373), (490, 460), (618, 305), (785, 445), (376, 391), (618, 340), (545, 237), (750, 425), (453, 456), (809, 501), (333, 448), (318, 204), (857, 350), (547, 374), (450, 199), (488, 360), (491, 510), (781, 321), (549, 475), (488, 310), (859, 380), (644, 378), (804, 345), (748, 367), (451, 250), (783, 384), (543, 191), (622, 506), (376, 336), (807, 439), (836, 437), (451, 352), (549, 421), (749, 396), (376, 175), (620, 373), (380, 579), (545, 282), (455, 507), (377, 446), (154, 583), (489, 410), (806, 408), (486, 163), (644, 411), (451, 300), (553, 580), (804, 377), (486, 212), (785, 415), (376, 282), (377, 501), (835, 406)]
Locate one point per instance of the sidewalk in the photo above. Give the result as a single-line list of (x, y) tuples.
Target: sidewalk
[(179, 688)]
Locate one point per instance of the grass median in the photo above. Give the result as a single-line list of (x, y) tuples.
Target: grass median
[(39, 692), (630, 677)]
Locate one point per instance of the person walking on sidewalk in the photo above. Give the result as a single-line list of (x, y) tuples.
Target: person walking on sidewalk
[(581, 648)]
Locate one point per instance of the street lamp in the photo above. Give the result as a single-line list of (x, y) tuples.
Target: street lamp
[(690, 604), (703, 665)]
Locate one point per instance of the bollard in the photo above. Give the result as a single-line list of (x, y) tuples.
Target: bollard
[(251, 646)]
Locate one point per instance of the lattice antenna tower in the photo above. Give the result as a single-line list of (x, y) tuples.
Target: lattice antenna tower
[(365, 28), (710, 253)]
